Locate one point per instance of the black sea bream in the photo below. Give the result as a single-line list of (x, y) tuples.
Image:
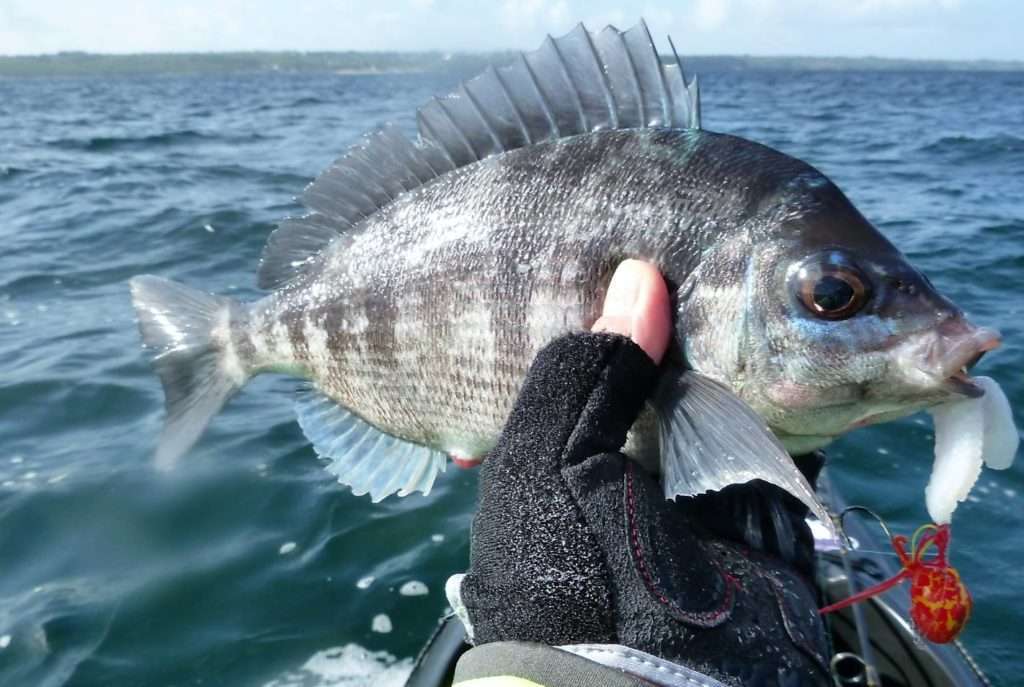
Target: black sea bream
[(427, 274)]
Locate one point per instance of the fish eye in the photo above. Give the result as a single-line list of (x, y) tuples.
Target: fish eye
[(831, 287)]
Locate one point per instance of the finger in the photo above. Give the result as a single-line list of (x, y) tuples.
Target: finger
[(637, 306), (652, 315)]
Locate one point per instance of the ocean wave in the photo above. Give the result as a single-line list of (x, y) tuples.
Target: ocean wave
[(1014, 228), (976, 148), (243, 172), (104, 144), (308, 102), (10, 172), (101, 144)]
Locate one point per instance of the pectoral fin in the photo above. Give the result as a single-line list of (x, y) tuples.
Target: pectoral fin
[(710, 439)]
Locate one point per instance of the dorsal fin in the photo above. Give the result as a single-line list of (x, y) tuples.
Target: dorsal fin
[(571, 85)]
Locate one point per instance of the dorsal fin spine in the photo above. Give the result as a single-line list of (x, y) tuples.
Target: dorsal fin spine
[(609, 97), (455, 126), (512, 104), (638, 91), (392, 148), (419, 165), (679, 62), (411, 178), (659, 68), (426, 159), (432, 136), (693, 88), (570, 86), (344, 208), (573, 89), (541, 98), (371, 176), (498, 145), (356, 189)]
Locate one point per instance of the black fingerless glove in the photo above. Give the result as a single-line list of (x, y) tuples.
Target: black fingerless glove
[(573, 543)]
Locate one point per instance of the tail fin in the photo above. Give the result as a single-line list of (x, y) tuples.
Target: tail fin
[(190, 333)]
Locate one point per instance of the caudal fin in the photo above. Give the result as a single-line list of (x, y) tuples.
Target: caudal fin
[(190, 334)]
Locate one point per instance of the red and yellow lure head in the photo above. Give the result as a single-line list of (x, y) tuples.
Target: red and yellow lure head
[(940, 604)]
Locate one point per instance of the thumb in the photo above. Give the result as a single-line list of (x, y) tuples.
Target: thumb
[(637, 306)]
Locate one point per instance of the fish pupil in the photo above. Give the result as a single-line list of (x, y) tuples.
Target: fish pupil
[(832, 293)]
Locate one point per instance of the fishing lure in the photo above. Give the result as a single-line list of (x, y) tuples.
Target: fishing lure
[(940, 604)]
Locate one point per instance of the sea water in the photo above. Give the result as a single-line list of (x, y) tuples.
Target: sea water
[(249, 565)]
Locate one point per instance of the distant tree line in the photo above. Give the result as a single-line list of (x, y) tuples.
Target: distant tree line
[(81, 63)]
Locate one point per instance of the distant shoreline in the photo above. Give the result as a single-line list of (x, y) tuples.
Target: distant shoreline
[(92, 64)]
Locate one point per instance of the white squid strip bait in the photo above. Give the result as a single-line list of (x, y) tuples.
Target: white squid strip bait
[(1001, 436), (968, 433)]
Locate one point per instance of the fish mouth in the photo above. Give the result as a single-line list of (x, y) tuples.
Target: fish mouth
[(962, 384), (963, 357), (935, 364)]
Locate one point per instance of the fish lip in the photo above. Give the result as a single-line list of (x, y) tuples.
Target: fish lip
[(956, 380), (961, 384)]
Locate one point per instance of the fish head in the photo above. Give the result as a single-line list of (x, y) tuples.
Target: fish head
[(819, 323)]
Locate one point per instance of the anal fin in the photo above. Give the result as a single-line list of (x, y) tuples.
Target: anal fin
[(365, 458), (710, 438)]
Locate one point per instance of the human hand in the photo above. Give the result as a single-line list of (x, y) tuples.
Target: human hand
[(573, 544)]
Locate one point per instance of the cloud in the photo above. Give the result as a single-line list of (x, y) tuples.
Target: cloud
[(525, 15), (922, 28), (868, 6), (831, 8), (709, 15)]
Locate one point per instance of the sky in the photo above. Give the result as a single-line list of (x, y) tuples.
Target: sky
[(935, 29)]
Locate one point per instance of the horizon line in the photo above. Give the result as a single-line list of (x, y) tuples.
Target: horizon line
[(495, 52)]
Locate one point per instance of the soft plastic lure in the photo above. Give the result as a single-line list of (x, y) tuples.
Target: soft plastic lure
[(940, 604)]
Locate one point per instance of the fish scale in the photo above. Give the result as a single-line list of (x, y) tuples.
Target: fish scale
[(467, 275)]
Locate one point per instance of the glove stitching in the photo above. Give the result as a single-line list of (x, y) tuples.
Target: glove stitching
[(778, 589), (702, 619)]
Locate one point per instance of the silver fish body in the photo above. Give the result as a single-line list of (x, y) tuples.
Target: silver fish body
[(425, 321), (427, 276)]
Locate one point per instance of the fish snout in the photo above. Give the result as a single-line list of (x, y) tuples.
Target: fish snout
[(942, 357)]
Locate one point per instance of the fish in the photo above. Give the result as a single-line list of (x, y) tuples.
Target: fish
[(426, 274)]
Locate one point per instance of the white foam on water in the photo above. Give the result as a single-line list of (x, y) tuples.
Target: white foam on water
[(287, 548), (347, 666), (381, 623), (413, 588), (365, 582), (437, 538), (5, 642)]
